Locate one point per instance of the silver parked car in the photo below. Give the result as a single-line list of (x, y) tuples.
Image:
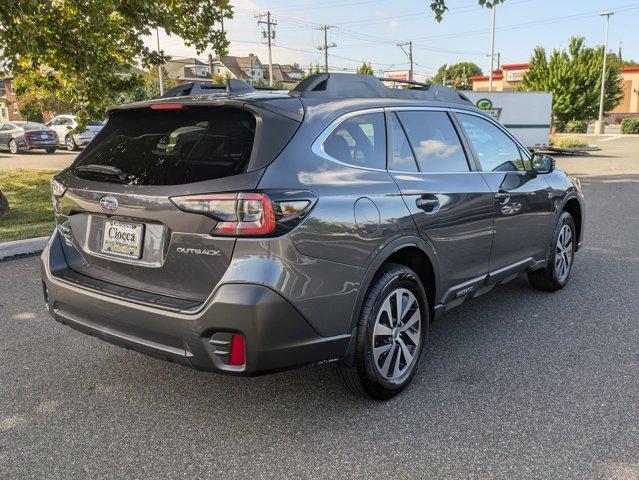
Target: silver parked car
[(64, 126)]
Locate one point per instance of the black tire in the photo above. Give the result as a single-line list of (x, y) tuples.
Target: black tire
[(363, 377), (70, 143), (548, 279), (51, 149), (13, 147)]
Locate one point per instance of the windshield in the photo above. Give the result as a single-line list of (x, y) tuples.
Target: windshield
[(171, 147), (95, 123)]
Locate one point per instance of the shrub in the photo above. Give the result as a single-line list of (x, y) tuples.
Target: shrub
[(630, 125), (560, 126), (576, 126), (568, 142)]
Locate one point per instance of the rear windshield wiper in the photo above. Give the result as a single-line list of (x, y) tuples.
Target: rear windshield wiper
[(107, 171)]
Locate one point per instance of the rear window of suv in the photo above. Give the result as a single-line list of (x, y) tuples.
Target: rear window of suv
[(170, 147)]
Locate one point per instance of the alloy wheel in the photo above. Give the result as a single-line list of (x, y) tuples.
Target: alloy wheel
[(13, 147), (563, 253), (397, 334)]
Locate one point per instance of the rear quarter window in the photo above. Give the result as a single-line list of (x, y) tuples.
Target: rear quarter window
[(359, 141), (173, 147)]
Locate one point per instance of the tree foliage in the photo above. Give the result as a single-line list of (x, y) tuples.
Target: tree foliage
[(439, 6), (574, 78), (365, 69), (458, 75), (149, 87), (82, 51)]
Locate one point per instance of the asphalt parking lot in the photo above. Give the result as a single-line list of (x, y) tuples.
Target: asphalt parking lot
[(517, 384)]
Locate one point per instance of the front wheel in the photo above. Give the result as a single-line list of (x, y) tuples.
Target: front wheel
[(13, 147), (391, 335), (51, 149), (554, 276), (70, 143)]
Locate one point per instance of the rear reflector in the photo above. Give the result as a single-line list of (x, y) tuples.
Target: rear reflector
[(168, 106), (237, 356)]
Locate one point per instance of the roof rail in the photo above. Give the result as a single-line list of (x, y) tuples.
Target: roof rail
[(233, 87), (347, 85)]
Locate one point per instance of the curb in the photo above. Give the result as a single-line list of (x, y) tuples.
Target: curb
[(22, 247)]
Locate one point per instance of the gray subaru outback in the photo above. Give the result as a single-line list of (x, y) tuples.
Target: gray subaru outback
[(247, 232)]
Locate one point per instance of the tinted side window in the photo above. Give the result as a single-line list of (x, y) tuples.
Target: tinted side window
[(495, 150), (402, 159), (359, 141), (435, 141)]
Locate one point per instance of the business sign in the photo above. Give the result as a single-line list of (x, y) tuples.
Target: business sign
[(515, 75), (487, 105), (398, 74)]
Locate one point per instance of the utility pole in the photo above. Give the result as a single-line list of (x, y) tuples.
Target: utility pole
[(157, 33), (492, 52), (445, 72), (326, 46), (599, 127), (410, 57), (270, 35)]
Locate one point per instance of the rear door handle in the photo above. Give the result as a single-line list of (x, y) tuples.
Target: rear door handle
[(427, 204), (502, 196)]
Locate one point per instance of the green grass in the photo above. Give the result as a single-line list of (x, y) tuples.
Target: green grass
[(568, 142), (29, 195)]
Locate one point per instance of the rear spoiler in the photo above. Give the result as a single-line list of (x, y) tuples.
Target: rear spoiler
[(232, 88)]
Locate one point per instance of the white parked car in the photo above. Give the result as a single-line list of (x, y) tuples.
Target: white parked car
[(64, 125)]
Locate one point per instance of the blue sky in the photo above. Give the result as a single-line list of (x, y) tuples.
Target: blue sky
[(369, 30)]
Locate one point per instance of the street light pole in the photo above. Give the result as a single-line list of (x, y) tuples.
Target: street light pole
[(492, 52), (599, 128), (157, 33)]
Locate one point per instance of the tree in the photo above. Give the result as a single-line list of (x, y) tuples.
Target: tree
[(439, 6), (313, 70), (574, 78), (5, 211), (458, 75), (74, 49), (149, 89), (365, 69), (31, 107)]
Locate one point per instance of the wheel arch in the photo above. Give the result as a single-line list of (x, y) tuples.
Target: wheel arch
[(412, 252), (573, 207)]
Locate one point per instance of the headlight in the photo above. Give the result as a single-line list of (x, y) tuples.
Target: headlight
[(57, 188)]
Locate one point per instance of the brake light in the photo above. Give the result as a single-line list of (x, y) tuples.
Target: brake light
[(168, 106), (237, 213)]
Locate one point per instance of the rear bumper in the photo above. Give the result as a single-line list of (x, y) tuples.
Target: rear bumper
[(277, 337)]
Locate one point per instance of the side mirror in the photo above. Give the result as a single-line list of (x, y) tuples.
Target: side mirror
[(542, 163), (68, 127)]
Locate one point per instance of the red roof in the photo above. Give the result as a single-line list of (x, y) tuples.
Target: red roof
[(632, 68), (516, 66), (497, 75)]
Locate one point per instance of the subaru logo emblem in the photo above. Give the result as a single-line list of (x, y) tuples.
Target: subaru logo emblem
[(108, 204)]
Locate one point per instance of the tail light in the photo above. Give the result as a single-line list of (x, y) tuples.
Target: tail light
[(249, 213)]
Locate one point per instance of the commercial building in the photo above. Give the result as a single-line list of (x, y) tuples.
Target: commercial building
[(509, 77)]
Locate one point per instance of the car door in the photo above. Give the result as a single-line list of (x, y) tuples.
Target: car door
[(522, 203), (54, 125), (5, 135), (450, 202)]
